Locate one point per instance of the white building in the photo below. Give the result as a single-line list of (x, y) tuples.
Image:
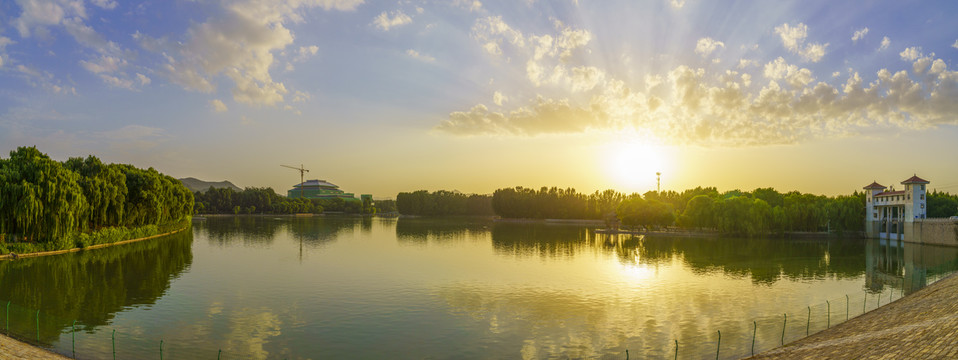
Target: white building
[(891, 214)]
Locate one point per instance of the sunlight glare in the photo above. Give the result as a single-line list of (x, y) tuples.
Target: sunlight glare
[(631, 165)]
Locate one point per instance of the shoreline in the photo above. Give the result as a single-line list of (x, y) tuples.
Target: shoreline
[(920, 325), (91, 247)]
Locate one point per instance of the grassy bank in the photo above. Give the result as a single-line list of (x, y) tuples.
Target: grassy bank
[(80, 240)]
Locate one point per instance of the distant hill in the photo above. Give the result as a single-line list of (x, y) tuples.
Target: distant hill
[(195, 185)]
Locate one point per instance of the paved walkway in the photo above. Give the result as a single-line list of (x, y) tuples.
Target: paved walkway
[(13, 349), (923, 325)]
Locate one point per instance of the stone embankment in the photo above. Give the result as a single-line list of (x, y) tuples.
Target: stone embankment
[(923, 325), (13, 349)]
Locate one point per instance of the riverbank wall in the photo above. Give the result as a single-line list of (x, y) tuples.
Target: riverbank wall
[(91, 247), (931, 232)]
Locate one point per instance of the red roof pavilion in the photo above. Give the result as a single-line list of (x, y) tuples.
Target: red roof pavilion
[(915, 180)]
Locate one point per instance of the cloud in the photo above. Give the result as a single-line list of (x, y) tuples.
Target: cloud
[(885, 42), (143, 79), (499, 99), (384, 21), (793, 75), (421, 57), (305, 52), (37, 14), (471, 5), (705, 46), (955, 45), (859, 34), (104, 64), (238, 43), (692, 106), (218, 106), (492, 32), (542, 116), (677, 4), (793, 38), (106, 4), (42, 79)]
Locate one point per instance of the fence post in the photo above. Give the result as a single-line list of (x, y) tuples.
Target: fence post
[(676, 349), (784, 324), (161, 350), (38, 326), (719, 346), (8, 318), (879, 300), (846, 307), (626, 354), (864, 301), (74, 327), (114, 344), (754, 330), (828, 319)]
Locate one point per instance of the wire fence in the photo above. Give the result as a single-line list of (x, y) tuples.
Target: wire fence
[(73, 338)]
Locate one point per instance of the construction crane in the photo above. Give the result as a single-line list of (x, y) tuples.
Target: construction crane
[(302, 173)]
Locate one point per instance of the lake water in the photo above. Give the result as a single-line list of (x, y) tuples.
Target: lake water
[(344, 287)]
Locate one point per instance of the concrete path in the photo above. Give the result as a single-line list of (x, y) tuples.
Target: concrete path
[(13, 349), (923, 325)]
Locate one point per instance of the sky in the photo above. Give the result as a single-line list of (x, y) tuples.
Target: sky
[(387, 96)]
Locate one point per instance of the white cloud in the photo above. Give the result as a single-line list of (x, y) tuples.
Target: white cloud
[(471, 5), (793, 75), (218, 106), (421, 57), (143, 79), (690, 105), (585, 78), (300, 96), (499, 99), (492, 32), (744, 63), (106, 4), (911, 54), (705, 46), (385, 22), (859, 34), (305, 52), (955, 45), (105, 64), (885, 42), (37, 14), (117, 82), (677, 4), (239, 43), (793, 38)]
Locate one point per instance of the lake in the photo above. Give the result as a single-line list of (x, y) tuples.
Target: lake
[(350, 287)]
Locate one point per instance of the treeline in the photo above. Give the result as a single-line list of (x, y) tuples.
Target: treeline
[(265, 201), (762, 211), (942, 204), (50, 202), (443, 202)]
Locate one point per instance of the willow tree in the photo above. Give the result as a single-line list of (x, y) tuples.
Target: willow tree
[(104, 187), (40, 199)]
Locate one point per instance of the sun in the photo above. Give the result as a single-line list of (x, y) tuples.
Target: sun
[(632, 165)]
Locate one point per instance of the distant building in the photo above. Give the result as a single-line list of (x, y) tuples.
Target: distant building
[(320, 189), (891, 213)]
